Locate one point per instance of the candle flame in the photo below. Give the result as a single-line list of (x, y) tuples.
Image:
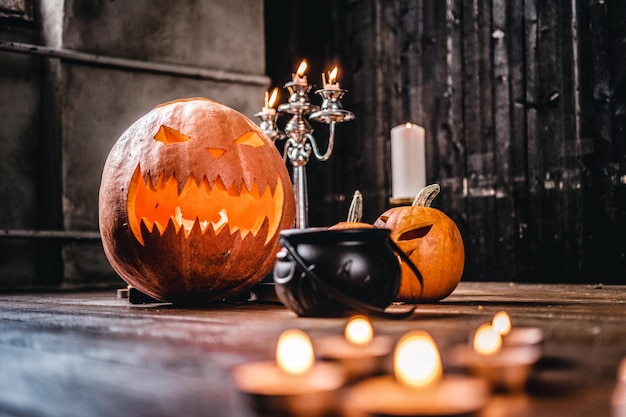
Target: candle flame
[(501, 322), (487, 340), (273, 97), (417, 362), (359, 331), (332, 76), (294, 352), (302, 68), (408, 125)]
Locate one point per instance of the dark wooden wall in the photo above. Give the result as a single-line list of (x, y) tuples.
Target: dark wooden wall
[(524, 105)]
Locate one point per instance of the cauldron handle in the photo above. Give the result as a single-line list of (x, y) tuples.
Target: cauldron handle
[(346, 299), (409, 262)]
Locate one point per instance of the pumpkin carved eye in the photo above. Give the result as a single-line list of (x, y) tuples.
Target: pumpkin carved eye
[(167, 135), (250, 138), (415, 233)]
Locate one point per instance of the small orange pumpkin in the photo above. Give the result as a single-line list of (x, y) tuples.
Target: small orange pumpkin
[(432, 241), (355, 213), (192, 199)]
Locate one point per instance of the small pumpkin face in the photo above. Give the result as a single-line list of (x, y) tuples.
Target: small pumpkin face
[(434, 244), (192, 198)]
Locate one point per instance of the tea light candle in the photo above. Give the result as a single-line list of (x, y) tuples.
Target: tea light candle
[(293, 384), (515, 336), (332, 83), (299, 77), (506, 368), (419, 386), (618, 397), (408, 161), (358, 351)]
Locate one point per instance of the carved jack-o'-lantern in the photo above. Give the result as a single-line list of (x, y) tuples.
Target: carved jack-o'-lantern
[(192, 199), (432, 241)]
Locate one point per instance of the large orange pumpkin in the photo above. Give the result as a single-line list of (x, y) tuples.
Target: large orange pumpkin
[(192, 199), (432, 241)]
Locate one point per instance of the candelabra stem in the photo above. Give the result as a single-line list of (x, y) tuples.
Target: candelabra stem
[(300, 192)]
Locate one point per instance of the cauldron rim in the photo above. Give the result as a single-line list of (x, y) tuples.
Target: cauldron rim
[(319, 235)]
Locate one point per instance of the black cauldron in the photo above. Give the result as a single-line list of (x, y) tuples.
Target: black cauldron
[(328, 273)]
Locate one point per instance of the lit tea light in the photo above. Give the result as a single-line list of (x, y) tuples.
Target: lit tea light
[(418, 386), (507, 368), (299, 77), (359, 331), (501, 322), (332, 83), (292, 384), (294, 352), (487, 340), (358, 351), (618, 397), (515, 336)]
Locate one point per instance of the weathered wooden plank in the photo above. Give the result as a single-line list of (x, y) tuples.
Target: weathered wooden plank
[(600, 197), (617, 17), (519, 157), (545, 156), (478, 132), (447, 105), (505, 229)]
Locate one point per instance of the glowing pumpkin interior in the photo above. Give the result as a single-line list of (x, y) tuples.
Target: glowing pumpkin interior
[(210, 204)]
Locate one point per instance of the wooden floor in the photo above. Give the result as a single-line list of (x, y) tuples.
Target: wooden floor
[(92, 354)]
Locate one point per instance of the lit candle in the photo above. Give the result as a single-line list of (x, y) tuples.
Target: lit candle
[(332, 83), (418, 386), (506, 368), (515, 336), (293, 383), (487, 340), (618, 397), (358, 351), (408, 161), (268, 107), (299, 77)]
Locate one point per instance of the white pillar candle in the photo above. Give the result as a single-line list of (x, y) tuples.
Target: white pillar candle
[(408, 161)]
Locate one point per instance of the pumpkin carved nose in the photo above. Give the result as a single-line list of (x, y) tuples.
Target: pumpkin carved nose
[(216, 152)]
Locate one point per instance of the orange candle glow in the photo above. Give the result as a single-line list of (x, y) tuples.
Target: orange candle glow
[(299, 77), (416, 361), (332, 83), (487, 340), (359, 331), (294, 352)]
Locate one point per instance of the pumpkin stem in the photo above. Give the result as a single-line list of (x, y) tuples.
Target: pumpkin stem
[(355, 212), (426, 195)]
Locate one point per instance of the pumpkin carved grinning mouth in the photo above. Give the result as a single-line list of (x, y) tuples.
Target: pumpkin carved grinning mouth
[(211, 205)]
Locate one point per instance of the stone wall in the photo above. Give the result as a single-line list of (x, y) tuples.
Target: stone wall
[(99, 66)]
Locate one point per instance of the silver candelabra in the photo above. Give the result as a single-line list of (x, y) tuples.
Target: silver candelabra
[(298, 133)]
